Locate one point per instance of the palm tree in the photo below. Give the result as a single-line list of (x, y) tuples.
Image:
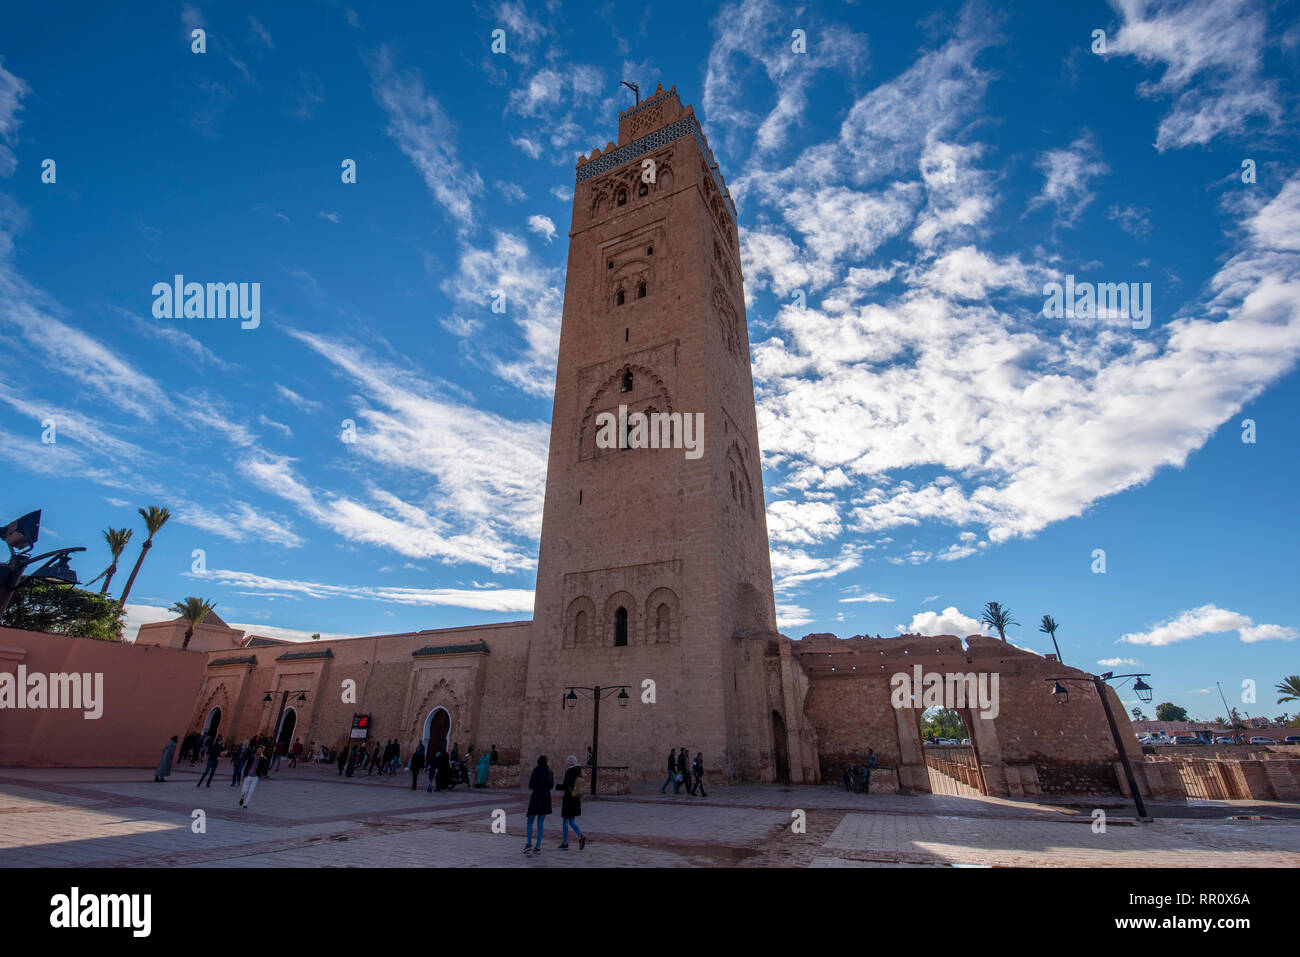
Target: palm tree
[(193, 610), (154, 519), (117, 539), (1048, 627), (1289, 689), (995, 616)]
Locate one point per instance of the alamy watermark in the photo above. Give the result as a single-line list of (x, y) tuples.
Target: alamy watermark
[(656, 430), (977, 690), (179, 299), (82, 691), (1104, 300)]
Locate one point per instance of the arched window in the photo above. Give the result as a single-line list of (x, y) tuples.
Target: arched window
[(619, 298), (663, 630), (622, 197), (627, 381), (649, 250), (642, 189), (620, 628), (580, 628), (640, 290)]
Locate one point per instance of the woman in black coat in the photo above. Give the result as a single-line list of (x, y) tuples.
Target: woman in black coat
[(539, 804), (571, 803)]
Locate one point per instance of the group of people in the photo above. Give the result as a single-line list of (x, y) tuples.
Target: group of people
[(682, 770), (541, 783), (250, 761), (859, 779)]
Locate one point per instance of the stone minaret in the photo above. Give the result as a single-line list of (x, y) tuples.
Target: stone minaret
[(655, 566)]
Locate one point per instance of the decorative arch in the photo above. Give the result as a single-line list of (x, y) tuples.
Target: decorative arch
[(580, 623), (433, 723), (441, 695), (648, 390), (742, 487), (624, 600), (729, 318), (218, 698), (662, 616)]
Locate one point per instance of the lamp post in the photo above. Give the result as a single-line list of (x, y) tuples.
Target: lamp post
[(284, 700), (1098, 682), (20, 535), (596, 693)]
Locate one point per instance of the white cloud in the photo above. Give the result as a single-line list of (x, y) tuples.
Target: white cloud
[(480, 599), (869, 597), (422, 130), (1067, 174), (1208, 620), (802, 523), (1116, 662), (792, 616), (1212, 53), (12, 90), (947, 622), (543, 226)]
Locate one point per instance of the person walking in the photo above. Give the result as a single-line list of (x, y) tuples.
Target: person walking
[(279, 753), (492, 755), (697, 770), (442, 771), (165, 762), (294, 754), (374, 762), (683, 772), (214, 757), (396, 761), (342, 759), (417, 764), (259, 771), (353, 755), (866, 772), (672, 771), (539, 804), (484, 763), (570, 804), (431, 769), (237, 764)]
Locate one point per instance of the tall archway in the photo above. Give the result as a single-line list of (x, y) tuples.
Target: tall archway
[(212, 722), (288, 724), (437, 731)]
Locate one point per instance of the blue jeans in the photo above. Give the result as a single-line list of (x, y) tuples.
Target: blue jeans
[(672, 779), (208, 772), (541, 822), (565, 824), (235, 778)]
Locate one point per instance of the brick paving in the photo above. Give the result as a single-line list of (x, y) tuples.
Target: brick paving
[(310, 817)]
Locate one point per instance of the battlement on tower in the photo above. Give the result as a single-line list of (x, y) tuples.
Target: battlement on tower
[(650, 125)]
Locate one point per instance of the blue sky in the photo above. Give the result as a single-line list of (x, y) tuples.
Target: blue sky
[(932, 440)]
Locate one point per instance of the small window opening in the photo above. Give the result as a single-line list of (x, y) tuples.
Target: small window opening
[(622, 197), (610, 264), (649, 250), (627, 381), (642, 189), (640, 291), (626, 335), (620, 628), (619, 298)]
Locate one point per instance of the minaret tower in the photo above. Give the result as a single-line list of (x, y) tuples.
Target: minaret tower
[(654, 562)]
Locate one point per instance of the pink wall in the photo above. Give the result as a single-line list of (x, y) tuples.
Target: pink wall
[(147, 696)]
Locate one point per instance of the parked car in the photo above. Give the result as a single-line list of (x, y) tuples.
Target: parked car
[(1225, 740), (1187, 739), (965, 742), (1291, 739), (1260, 739)]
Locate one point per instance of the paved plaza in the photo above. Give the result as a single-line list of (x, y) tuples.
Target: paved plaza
[(312, 817)]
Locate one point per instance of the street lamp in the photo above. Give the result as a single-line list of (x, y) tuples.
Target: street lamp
[(596, 693), (1099, 683), (284, 700), (20, 535)]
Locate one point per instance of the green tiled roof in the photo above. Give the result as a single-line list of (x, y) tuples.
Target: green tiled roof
[(246, 660), (327, 653), (478, 646)]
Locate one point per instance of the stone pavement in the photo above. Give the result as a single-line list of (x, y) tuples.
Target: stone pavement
[(311, 817)]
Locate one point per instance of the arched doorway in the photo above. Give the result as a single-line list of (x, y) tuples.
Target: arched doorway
[(213, 722), (779, 753), (437, 731), (288, 723)]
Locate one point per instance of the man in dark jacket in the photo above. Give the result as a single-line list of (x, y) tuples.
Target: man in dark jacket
[(214, 756), (672, 771), (417, 764), (683, 773)]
